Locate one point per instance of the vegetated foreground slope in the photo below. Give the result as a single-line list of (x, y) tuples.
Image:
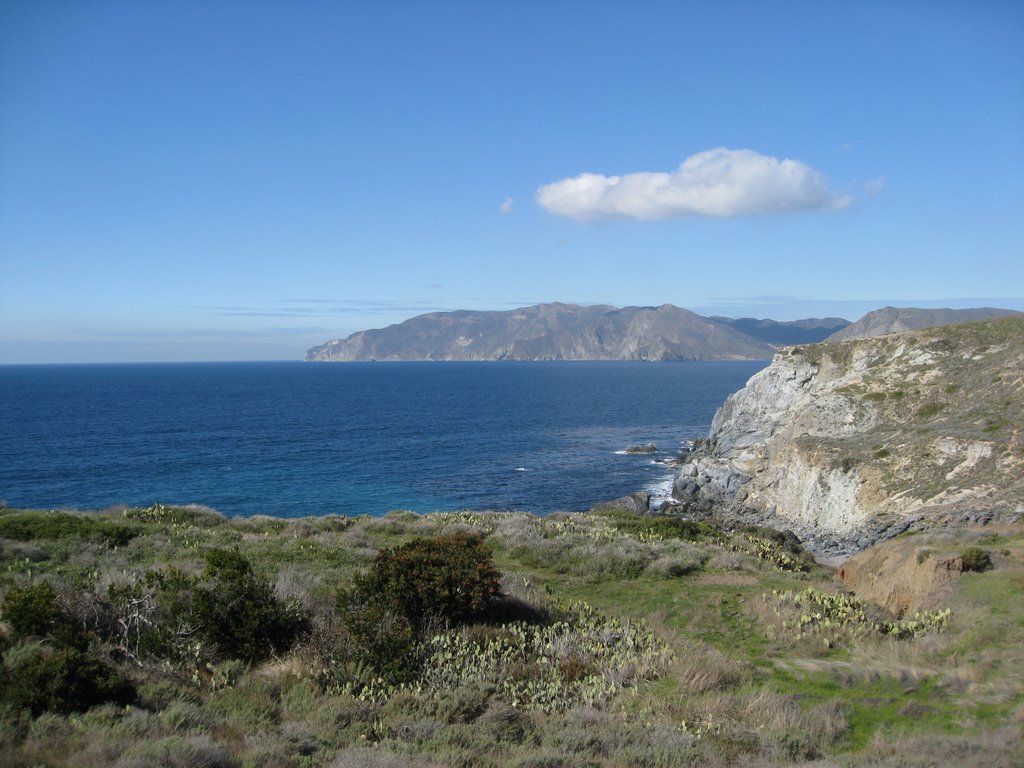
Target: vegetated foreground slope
[(570, 332), (172, 636), (856, 441)]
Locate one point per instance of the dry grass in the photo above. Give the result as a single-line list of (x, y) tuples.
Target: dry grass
[(728, 560), (994, 749), (376, 757), (772, 725), (701, 669)]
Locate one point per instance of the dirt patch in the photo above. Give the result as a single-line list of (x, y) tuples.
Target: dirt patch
[(902, 576)]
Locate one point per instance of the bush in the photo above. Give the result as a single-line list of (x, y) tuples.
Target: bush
[(660, 527), (31, 611), (238, 611), (380, 638), (29, 526), (451, 577), (229, 606), (63, 680), (786, 540), (929, 409), (780, 548), (976, 559)]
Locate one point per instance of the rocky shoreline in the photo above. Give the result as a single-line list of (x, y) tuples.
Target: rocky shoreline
[(850, 444), (706, 490)]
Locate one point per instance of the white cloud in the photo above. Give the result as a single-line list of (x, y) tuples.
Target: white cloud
[(874, 186), (506, 207), (720, 182)]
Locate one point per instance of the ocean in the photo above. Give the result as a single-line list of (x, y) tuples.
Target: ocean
[(291, 439)]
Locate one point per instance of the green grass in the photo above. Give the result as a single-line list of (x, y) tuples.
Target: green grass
[(746, 688)]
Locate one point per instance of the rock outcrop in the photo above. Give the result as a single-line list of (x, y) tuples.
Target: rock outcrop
[(850, 443)]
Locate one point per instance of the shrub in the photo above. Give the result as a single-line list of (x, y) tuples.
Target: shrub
[(780, 548), (451, 577), (238, 611), (192, 514), (63, 680), (229, 606), (828, 614), (657, 527), (787, 540), (929, 409), (381, 638), (976, 559), (583, 659), (31, 611), (29, 526)]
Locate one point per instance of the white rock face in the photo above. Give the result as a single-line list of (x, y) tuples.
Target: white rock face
[(756, 432), (848, 443), (813, 497)]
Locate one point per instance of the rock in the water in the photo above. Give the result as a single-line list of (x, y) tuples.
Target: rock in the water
[(645, 448)]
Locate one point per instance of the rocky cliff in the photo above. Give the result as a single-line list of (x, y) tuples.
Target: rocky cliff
[(849, 443), (570, 332)]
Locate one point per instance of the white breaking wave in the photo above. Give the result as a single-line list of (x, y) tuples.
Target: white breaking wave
[(661, 491)]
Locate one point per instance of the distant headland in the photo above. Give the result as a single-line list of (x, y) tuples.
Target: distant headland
[(559, 331)]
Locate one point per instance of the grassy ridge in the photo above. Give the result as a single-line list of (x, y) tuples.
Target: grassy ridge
[(622, 641)]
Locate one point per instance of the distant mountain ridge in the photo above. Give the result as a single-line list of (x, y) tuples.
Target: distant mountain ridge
[(787, 333), (571, 332), (899, 319)]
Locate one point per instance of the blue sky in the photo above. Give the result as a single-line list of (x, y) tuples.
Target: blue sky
[(242, 180)]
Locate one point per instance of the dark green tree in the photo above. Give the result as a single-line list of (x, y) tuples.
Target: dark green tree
[(237, 610)]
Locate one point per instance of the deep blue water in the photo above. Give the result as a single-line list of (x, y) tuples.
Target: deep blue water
[(291, 439)]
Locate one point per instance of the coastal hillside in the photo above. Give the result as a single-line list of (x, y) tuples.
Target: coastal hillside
[(899, 319), (571, 332), (175, 637), (847, 443)]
